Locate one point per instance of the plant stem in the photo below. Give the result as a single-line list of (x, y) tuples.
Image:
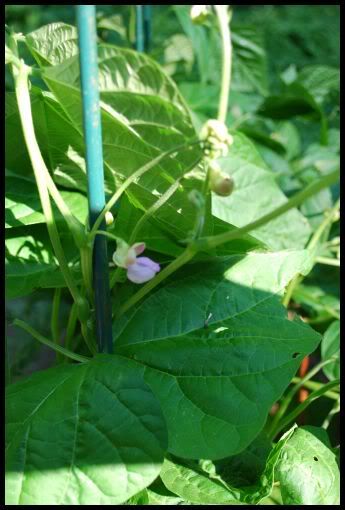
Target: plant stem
[(328, 261), (154, 207), (203, 244), (45, 341), (185, 257), (301, 407), (223, 21), (313, 385), (40, 172), (7, 361), (289, 396), (86, 269), (70, 330), (311, 245), (335, 409), (54, 323), (38, 165), (135, 175)]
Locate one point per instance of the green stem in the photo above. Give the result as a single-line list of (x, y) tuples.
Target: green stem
[(135, 175), (162, 199), (70, 330), (313, 385), (206, 243), (223, 20), (45, 341), (301, 407), (335, 409), (289, 396), (7, 362), (38, 165), (86, 270), (185, 257), (54, 323), (40, 173), (311, 246), (328, 261)]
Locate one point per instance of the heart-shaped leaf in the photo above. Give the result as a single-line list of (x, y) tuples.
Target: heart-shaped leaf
[(222, 350), (82, 434)]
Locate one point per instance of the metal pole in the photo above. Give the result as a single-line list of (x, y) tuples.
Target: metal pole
[(86, 19)]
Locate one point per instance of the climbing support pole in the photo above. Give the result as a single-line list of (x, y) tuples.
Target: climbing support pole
[(86, 21)]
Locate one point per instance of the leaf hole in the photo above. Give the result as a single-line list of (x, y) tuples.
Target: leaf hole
[(295, 354), (315, 458)]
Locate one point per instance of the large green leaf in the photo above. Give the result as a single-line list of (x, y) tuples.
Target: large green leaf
[(86, 434), (330, 346), (216, 384), (193, 484), (256, 193), (308, 471), (143, 115)]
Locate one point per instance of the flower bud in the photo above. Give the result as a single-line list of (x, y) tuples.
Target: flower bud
[(219, 182), (109, 218), (200, 13), (217, 139)]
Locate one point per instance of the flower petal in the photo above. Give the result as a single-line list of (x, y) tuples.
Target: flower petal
[(143, 270)]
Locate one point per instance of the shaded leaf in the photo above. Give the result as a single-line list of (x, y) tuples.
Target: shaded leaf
[(186, 479), (216, 384)]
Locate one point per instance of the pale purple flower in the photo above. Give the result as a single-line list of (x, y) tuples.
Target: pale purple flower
[(142, 270)]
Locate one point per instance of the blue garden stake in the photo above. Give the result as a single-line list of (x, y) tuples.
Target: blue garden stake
[(86, 18), (139, 28), (147, 27)]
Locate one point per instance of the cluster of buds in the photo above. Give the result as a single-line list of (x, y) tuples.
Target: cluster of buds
[(216, 138), (139, 269)]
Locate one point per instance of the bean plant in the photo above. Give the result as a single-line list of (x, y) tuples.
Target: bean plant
[(211, 238)]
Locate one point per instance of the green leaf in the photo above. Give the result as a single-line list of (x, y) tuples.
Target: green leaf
[(316, 301), (308, 471), (23, 205), (320, 81), (249, 59), (30, 263), (53, 43), (143, 115), (255, 194), (158, 494), (195, 486), (294, 101), (245, 468), (216, 384), (330, 346), (186, 479), (82, 434), (61, 145)]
